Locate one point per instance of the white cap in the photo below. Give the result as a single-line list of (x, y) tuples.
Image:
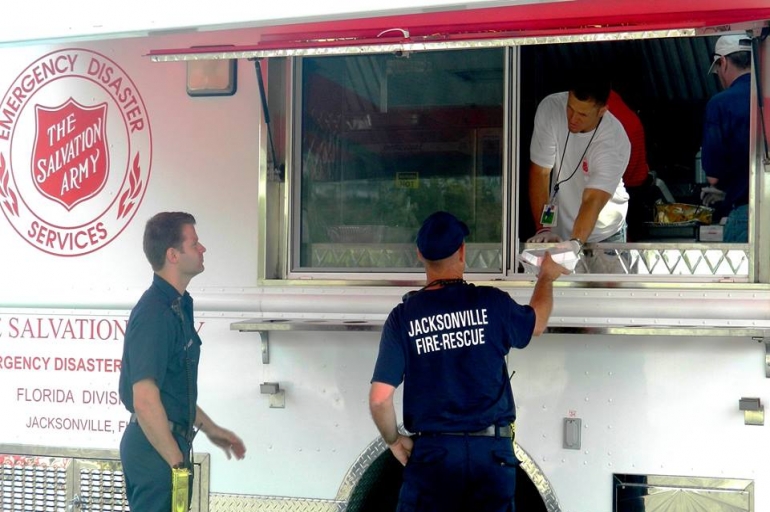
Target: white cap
[(727, 45)]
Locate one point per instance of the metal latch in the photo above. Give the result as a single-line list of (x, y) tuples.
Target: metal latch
[(753, 411), (277, 395)]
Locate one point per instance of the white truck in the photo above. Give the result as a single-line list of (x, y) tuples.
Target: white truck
[(309, 146)]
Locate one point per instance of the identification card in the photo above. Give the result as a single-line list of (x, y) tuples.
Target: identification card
[(548, 218), (180, 490)]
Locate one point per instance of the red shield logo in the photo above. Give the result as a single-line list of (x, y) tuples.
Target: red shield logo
[(70, 161)]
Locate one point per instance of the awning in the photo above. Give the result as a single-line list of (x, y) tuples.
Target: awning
[(530, 23)]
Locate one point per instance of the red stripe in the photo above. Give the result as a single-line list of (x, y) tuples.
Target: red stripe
[(541, 19)]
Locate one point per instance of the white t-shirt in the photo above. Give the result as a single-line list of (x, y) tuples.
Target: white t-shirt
[(602, 167)]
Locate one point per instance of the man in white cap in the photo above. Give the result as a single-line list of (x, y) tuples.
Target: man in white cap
[(725, 152)]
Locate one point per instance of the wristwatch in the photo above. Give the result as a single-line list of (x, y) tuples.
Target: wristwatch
[(580, 243)]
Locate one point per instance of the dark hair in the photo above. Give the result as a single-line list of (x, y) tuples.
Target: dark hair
[(162, 231), (741, 60), (590, 84)]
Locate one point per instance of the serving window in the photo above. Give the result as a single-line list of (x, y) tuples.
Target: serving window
[(384, 140)]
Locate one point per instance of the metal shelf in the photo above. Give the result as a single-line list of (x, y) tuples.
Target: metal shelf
[(266, 325)]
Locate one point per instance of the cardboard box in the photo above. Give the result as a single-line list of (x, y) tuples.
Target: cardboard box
[(711, 233)]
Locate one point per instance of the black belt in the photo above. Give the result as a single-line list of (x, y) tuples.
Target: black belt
[(175, 428), (491, 431)]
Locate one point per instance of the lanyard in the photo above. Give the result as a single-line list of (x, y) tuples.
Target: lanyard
[(558, 173), (178, 309), (441, 282)]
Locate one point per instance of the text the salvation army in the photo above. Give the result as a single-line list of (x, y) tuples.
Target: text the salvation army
[(102, 329), (75, 144)]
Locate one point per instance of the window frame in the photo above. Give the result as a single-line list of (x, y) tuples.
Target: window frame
[(293, 268), (758, 272)]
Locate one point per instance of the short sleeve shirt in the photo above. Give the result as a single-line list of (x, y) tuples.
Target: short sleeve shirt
[(601, 167), (725, 152), (448, 347), (161, 344), (637, 169)]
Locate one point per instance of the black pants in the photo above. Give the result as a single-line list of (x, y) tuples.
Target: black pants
[(459, 473), (147, 475)]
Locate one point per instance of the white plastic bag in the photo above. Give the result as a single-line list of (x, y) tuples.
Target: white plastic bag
[(566, 254)]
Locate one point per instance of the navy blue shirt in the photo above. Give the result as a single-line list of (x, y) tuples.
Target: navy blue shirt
[(448, 347), (161, 344), (725, 152)]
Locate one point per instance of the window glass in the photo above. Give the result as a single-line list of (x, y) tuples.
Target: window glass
[(388, 139)]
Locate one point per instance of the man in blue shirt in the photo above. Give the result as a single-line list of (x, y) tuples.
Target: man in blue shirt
[(447, 343), (159, 373), (725, 151)]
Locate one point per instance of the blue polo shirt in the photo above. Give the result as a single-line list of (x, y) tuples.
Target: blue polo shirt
[(448, 347), (725, 151), (161, 344)]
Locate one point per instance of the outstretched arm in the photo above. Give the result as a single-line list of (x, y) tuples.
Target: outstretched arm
[(590, 208), (542, 295)]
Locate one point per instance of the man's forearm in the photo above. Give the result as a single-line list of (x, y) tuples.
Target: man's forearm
[(593, 202), (542, 302), (384, 416), (538, 191), (202, 420), (153, 420)]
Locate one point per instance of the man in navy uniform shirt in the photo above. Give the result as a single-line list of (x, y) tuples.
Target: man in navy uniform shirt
[(159, 373), (447, 343), (725, 152)]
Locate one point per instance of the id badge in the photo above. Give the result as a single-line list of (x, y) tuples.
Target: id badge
[(180, 490), (548, 218)]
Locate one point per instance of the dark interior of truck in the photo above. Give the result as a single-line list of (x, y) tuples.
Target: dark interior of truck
[(665, 81)]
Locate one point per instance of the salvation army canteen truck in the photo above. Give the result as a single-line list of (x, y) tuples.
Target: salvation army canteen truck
[(310, 145)]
